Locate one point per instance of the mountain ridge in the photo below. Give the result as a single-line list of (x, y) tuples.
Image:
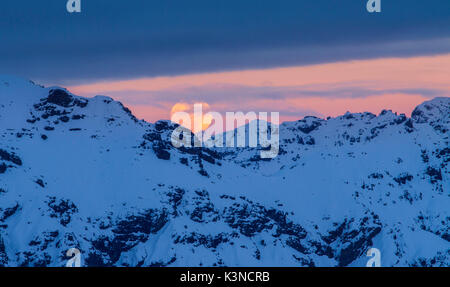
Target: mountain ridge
[(86, 173)]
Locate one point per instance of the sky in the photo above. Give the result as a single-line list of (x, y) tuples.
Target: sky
[(297, 57)]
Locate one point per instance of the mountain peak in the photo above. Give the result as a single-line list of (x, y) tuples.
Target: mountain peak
[(432, 110)]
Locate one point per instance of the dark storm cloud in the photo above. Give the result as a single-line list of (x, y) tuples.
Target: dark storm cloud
[(136, 38)]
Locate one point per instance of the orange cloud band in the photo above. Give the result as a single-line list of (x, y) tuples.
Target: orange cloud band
[(386, 74)]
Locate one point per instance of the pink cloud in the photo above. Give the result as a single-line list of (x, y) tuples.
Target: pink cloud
[(317, 89)]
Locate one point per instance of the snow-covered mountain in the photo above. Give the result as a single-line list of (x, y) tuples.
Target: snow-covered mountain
[(85, 173)]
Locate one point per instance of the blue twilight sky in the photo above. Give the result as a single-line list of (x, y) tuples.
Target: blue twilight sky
[(125, 39)]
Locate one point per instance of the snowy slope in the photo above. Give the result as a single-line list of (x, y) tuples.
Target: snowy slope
[(85, 173)]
